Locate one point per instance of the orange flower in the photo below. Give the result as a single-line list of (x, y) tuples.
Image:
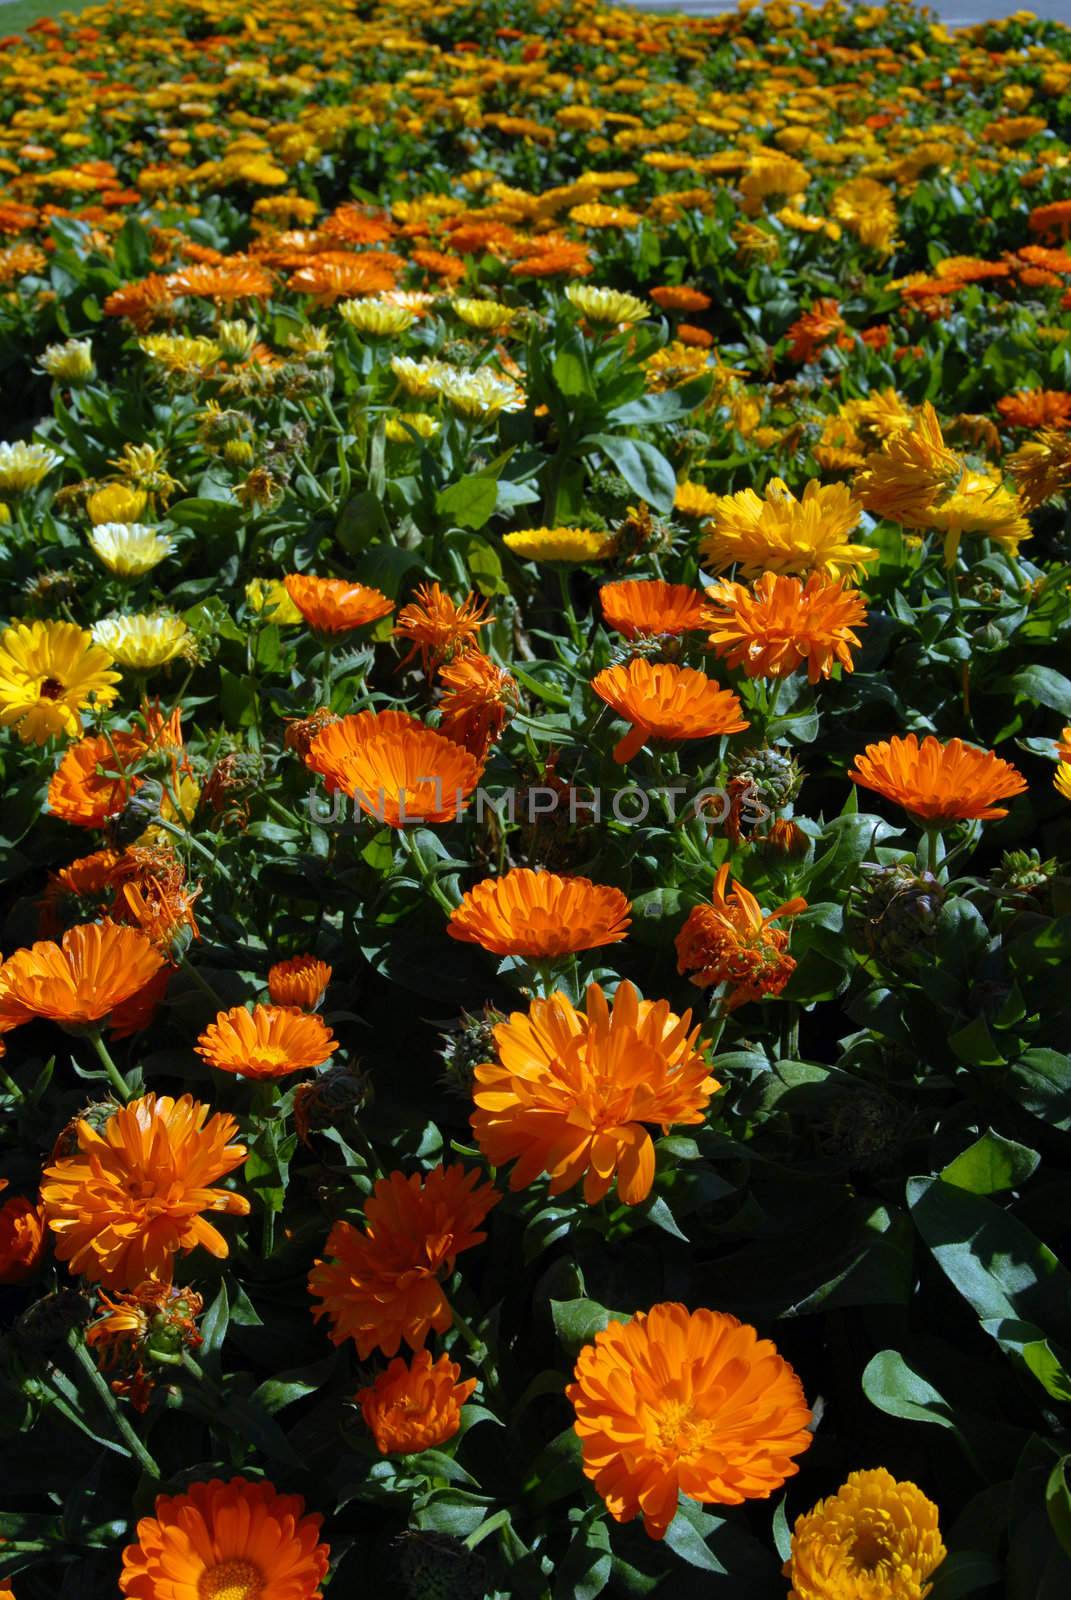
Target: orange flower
[(94, 968), (1036, 408), (85, 886), (95, 779), (666, 702), (1051, 221), (327, 281), (689, 1402), (133, 1196), (140, 302), (22, 1238), (646, 607), (415, 1407), (300, 981), (479, 699), (780, 623), (236, 279), (269, 1042), (731, 942), (936, 782), (226, 1541), (396, 769), (438, 627), (698, 338), (539, 915), (383, 1285), (678, 297), (569, 1094), (811, 332), (331, 605)]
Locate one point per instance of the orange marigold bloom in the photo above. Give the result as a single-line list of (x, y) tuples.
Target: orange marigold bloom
[(539, 915), (383, 1285), (679, 297), (327, 281), (666, 702), (396, 769), (94, 968), (1051, 221), (416, 1406), (875, 1539), (939, 783), (1036, 408), (236, 279), (95, 779), (729, 941), (695, 337), (438, 627), (268, 1042), (226, 1541), (350, 222), (811, 332), (645, 607), (133, 1196), (331, 605), (570, 1093), (685, 1402), (139, 302), (22, 1238), (300, 981), (780, 623), (478, 701)]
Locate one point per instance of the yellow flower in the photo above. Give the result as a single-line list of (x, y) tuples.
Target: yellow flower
[(22, 466), (49, 671), (419, 378), (980, 505), (480, 394), (236, 339), (177, 353), (866, 209), (1062, 780), (116, 502), (608, 307), (913, 469), (489, 315), (561, 544), (875, 1539), (269, 595), (692, 500), (404, 424), (376, 316), (772, 177), (70, 363), (144, 641), (782, 534), (596, 215), (129, 549)]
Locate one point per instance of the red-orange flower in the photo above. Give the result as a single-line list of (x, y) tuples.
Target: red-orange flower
[(645, 607), (226, 1541), (811, 332), (416, 1406), (667, 703), (132, 1197), (685, 1402), (438, 627), (331, 605), (729, 941), (78, 982), (570, 1094), (937, 782), (778, 625), (1036, 408), (300, 981), (95, 779), (539, 915), (268, 1042), (395, 768), (327, 281), (479, 698), (139, 302), (383, 1285), (22, 1238), (679, 297)]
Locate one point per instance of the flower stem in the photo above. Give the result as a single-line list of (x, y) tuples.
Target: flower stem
[(202, 983), (424, 872), (115, 1077), (479, 1351), (129, 1437), (567, 607), (8, 1083)]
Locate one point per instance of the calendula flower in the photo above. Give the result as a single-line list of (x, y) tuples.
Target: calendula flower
[(416, 1405), (299, 981), (379, 317), (237, 279), (268, 597), (81, 980), (180, 352), (666, 703), (95, 779), (267, 1042), (867, 210), (1041, 468), (133, 1196), (23, 466), (49, 673), (420, 378), (438, 627), (140, 1332), (772, 179), (812, 332), (875, 1539), (479, 698), (911, 472), (539, 915), (129, 549), (141, 643), (685, 1402), (383, 1284), (1062, 780), (606, 307), (679, 297), (116, 502), (331, 605), (488, 315), (693, 500), (394, 767), (938, 783), (226, 1541), (481, 394), (1036, 408), (22, 1238), (782, 624), (571, 1094), (647, 607), (578, 545), (407, 427), (731, 941), (70, 363), (782, 534)]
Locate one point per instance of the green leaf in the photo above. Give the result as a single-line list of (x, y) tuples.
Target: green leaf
[(1044, 686), (991, 1165), (1043, 1078), (576, 1322), (286, 1387), (895, 1388), (963, 1573), (207, 516), (469, 503), (644, 469), (684, 1538), (1058, 1503), (665, 407), (213, 1332)]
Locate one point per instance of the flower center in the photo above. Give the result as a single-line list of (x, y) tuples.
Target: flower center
[(268, 1056), (230, 1580), (679, 1431), (868, 1550), (51, 689)]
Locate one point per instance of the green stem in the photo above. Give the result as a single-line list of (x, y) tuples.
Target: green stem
[(424, 872), (10, 1085), (123, 1428), (203, 984), (192, 840), (115, 1077), (931, 858), (567, 606), (479, 1350), (325, 676)]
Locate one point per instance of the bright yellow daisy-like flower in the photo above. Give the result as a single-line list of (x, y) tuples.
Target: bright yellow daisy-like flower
[(693, 500), (784, 535), (145, 641), (980, 505), (70, 363), (419, 378), (866, 209), (180, 353), (488, 315), (116, 502), (129, 549), (875, 1539), (269, 597), (776, 177), (561, 544), (49, 672), (405, 427), (23, 466), (607, 307), (376, 316)]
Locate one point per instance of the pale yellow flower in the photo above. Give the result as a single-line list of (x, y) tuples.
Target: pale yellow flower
[(23, 466), (145, 641), (607, 307), (129, 549), (376, 316), (269, 595)]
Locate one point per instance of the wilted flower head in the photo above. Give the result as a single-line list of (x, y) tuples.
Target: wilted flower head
[(730, 941)]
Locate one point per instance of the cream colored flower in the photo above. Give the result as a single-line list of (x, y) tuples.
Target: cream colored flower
[(607, 307), (129, 549), (376, 316), (143, 642), (23, 466)]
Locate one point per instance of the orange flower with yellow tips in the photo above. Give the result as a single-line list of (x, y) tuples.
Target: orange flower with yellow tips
[(875, 1539), (572, 1094), (81, 980), (415, 1406), (383, 1285), (731, 941), (539, 915), (781, 624), (395, 768), (437, 627), (646, 607), (133, 1195), (666, 703), (298, 981), (332, 605), (685, 1402), (938, 783), (267, 1042), (226, 1541)]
